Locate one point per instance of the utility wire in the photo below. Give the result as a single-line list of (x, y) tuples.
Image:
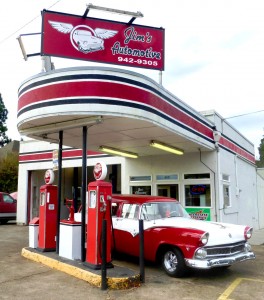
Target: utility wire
[(9, 36), (246, 114)]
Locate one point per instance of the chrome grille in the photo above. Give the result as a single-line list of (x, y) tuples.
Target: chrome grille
[(225, 250)]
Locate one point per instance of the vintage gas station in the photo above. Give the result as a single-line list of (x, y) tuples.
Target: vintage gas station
[(84, 121)]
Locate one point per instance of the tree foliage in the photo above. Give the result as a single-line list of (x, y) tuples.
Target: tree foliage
[(260, 162), (3, 129), (9, 172)]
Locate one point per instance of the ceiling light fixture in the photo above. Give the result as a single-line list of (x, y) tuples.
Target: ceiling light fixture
[(166, 147), (118, 152)]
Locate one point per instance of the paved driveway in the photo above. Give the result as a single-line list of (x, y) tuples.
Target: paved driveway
[(24, 279)]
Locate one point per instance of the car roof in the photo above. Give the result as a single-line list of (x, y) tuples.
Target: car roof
[(141, 198)]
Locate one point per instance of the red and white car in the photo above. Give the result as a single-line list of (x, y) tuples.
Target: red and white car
[(173, 238)]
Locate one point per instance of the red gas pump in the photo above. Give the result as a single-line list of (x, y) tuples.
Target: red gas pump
[(99, 209), (48, 214)]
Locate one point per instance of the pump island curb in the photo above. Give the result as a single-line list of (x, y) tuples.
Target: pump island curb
[(77, 270)]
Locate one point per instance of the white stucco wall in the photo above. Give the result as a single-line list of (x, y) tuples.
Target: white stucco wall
[(243, 190), (260, 203)]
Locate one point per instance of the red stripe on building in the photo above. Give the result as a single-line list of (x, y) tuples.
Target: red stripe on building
[(35, 156), (110, 90), (236, 149), (76, 153)]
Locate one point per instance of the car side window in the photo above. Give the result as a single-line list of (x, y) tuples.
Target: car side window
[(114, 209), (150, 211), (8, 199), (130, 211)]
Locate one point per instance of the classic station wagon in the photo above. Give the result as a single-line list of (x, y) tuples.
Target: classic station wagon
[(173, 238)]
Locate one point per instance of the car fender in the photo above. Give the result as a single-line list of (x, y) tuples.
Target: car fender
[(187, 240)]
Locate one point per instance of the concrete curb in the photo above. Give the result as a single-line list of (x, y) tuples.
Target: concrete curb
[(94, 279)]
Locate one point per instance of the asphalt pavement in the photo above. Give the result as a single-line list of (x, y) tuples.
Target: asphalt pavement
[(22, 278)]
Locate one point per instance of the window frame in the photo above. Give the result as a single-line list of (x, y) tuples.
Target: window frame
[(226, 184), (204, 178)]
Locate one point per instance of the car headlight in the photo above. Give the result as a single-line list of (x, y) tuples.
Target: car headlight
[(248, 232), (204, 239), (201, 253)]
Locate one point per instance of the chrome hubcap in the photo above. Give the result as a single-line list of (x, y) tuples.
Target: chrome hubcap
[(170, 261)]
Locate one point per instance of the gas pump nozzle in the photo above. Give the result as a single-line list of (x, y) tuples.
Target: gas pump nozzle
[(104, 205), (69, 203)]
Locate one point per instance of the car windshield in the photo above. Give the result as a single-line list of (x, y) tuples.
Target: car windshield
[(160, 210)]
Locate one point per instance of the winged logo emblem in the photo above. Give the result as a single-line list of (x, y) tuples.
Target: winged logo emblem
[(83, 38)]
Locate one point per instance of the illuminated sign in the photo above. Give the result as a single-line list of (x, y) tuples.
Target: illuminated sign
[(49, 177), (103, 41), (100, 171), (198, 189), (55, 160)]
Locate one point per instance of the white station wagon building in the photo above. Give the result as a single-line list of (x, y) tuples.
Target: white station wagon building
[(214, 177)]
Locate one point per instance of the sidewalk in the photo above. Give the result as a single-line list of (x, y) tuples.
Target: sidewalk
[(257, 237)]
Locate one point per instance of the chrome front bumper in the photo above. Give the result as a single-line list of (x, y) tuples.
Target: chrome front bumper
[(218, 262)]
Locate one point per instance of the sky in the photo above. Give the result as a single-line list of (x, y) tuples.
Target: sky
[(214, 53)]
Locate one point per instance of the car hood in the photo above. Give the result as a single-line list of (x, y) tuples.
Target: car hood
[(219, 233)]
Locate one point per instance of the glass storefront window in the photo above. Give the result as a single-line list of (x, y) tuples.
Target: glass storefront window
[(140, 178), (226, 190), (197, 195), (141, 190), (168, 190), (197, 176), (226, 195)]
